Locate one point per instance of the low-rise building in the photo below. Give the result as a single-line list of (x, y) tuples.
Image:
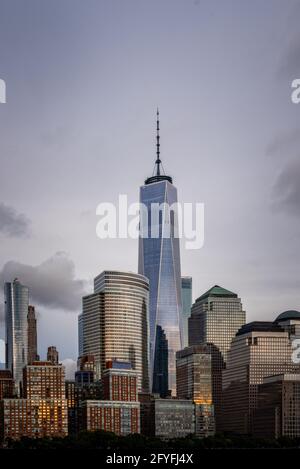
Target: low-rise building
[(278, 407), (167, 418), (120, 417)]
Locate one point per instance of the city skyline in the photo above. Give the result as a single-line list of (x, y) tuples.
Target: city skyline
[(229, 138)]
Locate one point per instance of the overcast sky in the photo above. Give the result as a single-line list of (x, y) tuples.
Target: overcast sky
[(84, 78)]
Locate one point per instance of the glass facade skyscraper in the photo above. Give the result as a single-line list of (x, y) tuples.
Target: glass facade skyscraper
[(16, 298), (159, 261), (115, 323), (186, 293)]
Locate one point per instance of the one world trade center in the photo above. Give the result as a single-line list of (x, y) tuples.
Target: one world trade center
[(159, 260)]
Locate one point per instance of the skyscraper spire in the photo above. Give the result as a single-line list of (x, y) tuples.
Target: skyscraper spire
[(158, 171), (158, 161)]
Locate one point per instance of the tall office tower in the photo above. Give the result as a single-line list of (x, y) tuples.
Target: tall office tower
[(32, 355), (186, 294), (159, 261), (115, 322), (278, 407), (119, 382), (52, 355), (80, 335), (16, 308), (216, 317), (259, 350), (194, 381)]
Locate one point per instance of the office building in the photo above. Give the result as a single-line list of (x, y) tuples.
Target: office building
[(7, 385), (121, 418), (259, 350), (32, 354), (44, 380), (216, 317), (16, 298), (159, 261), (186, 294), (80, 335), (278, 407), (76, 392), (115, 323), (290, 322), (43, 410), (119, 381), (52, 355), (167, 418), (86, 363), (119, 411), (194, 381)]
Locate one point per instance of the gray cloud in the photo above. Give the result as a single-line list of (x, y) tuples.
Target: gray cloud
[(51, 284), (290, 64), (12, 223), (284, 144), (286, 191)]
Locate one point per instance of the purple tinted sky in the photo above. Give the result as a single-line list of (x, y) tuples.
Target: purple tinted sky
[(84, 78)]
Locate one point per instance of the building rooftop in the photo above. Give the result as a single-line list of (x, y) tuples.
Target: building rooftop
[(259, 326), (282, 377), (217, 291), (286, 315)]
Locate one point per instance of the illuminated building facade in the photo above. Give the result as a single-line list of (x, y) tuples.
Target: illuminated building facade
[(43, 410), (121, 418), (216, 317), (119, 411), (194, 381), (119, 382)]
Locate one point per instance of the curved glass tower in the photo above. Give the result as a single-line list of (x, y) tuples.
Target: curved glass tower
[(159, 261), (115, 323)]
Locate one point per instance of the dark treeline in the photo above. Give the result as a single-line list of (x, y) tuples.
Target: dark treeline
[(109, 441)]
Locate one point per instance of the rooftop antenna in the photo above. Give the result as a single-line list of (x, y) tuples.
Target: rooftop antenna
[(158, 160)]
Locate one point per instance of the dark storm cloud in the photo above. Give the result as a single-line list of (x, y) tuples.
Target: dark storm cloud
[(286, 190), (51, 284), (13, 224)]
